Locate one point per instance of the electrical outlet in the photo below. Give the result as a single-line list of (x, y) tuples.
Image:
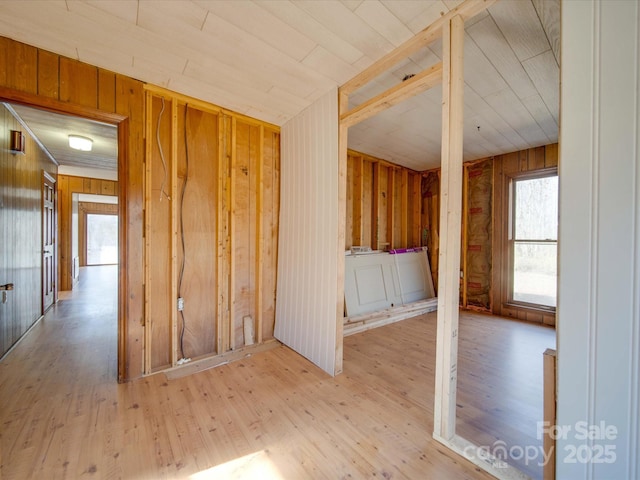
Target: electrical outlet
[(180, 304)]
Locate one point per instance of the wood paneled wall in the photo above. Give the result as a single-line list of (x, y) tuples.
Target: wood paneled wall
[(211, 229), (384, 204), (34, 76), (67, 186), (20, 231)]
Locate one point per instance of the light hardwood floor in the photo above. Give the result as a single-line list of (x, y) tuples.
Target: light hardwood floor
[(270, 416)]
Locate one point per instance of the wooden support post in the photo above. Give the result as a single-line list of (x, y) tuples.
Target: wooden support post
[(358, 199), (232, 236), (391, 178), (220, 234), (146, 368), (259, 236), (222, 322), (404, 210), (465, 234), (175, 355), (549, 414), (450, 229), (416, 206), (375, 205), (343, 131)]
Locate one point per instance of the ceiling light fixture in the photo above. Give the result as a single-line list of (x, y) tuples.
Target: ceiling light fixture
[(78, 142)]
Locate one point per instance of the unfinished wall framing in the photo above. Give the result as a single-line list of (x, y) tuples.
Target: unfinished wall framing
[(383, 204), (211, 215)]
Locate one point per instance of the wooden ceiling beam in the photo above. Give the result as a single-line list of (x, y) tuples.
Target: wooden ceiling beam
[(465, 10), (418, 83)]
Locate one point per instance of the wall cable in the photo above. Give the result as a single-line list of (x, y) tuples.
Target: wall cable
[(184, 252), (164, 162)]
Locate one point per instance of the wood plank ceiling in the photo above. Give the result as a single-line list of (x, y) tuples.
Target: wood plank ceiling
[(272, 59)]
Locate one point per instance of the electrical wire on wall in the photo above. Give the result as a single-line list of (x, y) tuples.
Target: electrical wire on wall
[(183, 359), (164, 162)]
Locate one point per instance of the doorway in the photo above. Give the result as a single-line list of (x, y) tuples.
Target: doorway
[(68, 116)]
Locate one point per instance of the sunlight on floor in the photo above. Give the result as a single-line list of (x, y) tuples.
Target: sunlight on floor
[(254, 465)]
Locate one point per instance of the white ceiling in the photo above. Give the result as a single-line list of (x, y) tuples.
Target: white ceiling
[(271, 59), (53, 130)]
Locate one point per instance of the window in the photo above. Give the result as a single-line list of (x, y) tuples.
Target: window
[(533, 240), (102, 239)]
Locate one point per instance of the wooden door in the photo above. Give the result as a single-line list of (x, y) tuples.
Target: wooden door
[(48, 241)]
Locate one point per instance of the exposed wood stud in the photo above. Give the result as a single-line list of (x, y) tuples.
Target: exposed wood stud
[(259, 235), (416, 206), (221, 234), (358, 200), (174, 353), (213, 156), (404, 209), (465, 234), (147, 240), (390, 207), (375, 219), (226, 175), (232, 235), (450, 230), (343, 132)]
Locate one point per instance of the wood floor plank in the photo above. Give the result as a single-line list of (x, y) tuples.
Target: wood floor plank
[(62, 414)]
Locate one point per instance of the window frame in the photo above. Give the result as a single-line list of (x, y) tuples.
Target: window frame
[(510, 241)]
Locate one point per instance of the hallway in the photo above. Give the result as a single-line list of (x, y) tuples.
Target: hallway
[(80, 330), (53, 375), (76, 340)]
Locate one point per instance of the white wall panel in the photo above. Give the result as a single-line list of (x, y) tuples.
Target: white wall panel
[(599, 242), (307, 255)]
